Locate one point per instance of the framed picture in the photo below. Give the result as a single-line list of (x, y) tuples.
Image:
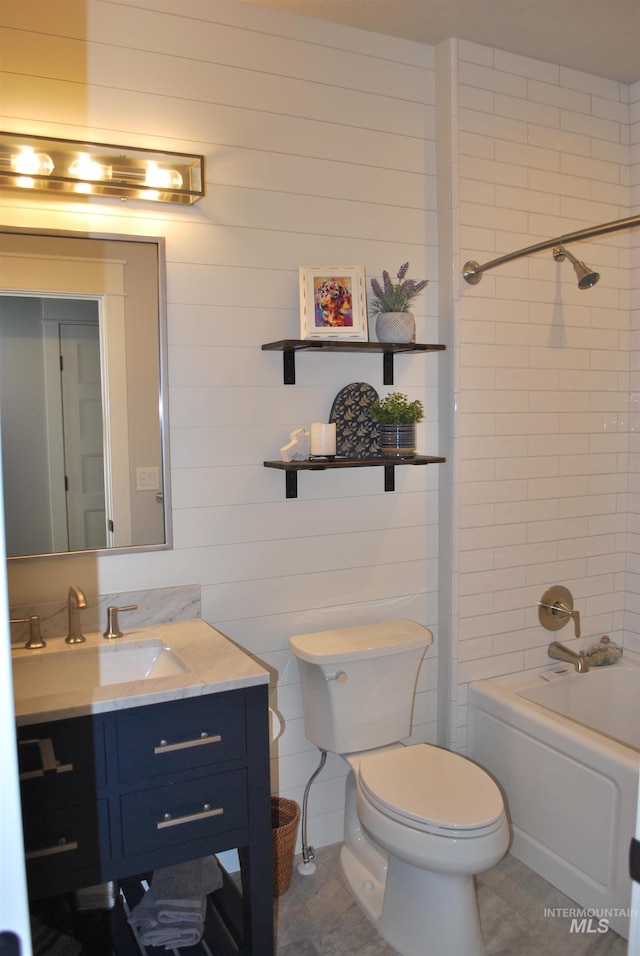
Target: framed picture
[(333, 303)]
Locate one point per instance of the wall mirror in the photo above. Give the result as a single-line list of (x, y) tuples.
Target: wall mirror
[(83, 393)]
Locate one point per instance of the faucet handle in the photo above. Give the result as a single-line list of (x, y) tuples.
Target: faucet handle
[(555, 609), (35, 638), (576, 622), (560, 608), (113, 626)]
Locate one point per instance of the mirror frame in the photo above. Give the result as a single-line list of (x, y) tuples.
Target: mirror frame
[(163, 384)]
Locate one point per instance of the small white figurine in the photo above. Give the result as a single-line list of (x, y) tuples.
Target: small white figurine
[(298, 448)]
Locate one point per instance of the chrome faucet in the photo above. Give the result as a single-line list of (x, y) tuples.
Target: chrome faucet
[(560, 652), (76, 602)]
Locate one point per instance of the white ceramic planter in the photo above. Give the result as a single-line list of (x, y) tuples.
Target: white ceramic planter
[(399, 327)]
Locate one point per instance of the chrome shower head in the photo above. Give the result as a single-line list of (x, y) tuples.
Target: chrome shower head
[(586, 276)]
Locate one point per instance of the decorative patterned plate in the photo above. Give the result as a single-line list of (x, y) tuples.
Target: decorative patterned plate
[(357, 435)]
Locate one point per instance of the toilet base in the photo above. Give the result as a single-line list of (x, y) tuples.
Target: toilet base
[(418, 912)]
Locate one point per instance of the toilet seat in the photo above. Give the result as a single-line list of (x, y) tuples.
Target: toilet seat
[(432, 790)]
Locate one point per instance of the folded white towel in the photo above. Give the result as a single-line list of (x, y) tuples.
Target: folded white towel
[(180, 911), (172, 938), (173, 910)]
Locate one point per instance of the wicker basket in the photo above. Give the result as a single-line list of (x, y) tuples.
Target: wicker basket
[(285, 815)]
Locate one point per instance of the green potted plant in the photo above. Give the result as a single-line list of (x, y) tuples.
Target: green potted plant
[(391, 304), (397, 417)]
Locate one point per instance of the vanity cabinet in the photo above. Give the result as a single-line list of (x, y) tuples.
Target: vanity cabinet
[(117, 794)]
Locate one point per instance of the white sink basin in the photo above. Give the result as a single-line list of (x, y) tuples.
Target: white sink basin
[(80, 667)]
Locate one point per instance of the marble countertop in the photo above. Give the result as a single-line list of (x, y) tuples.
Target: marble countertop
[(214, 663)]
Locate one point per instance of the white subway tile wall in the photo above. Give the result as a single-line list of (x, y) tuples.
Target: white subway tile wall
[(547, 379)]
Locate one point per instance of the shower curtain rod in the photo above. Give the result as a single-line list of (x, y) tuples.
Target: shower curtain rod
[(472, 271)]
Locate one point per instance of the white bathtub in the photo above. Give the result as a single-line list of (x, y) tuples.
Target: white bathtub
[(565, 747)]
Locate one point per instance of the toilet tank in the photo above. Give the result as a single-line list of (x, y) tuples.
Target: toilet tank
[(358, 683)]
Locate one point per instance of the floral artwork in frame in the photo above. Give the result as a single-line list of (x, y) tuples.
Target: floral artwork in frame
[(333, 303)]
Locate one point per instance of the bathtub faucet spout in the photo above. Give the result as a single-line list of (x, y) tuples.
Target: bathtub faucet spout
[(560, 652)]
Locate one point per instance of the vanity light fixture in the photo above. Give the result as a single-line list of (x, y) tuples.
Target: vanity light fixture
[(67, 167)]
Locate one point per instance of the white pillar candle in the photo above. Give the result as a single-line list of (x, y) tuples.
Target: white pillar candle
[(323, 439)]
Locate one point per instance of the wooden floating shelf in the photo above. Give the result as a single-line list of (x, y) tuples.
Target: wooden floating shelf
[(291, 468), (289, 347)]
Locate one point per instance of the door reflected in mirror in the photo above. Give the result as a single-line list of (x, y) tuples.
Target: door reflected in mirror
[(82, 393)]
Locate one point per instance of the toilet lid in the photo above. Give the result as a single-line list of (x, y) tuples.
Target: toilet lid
[(431, 788)]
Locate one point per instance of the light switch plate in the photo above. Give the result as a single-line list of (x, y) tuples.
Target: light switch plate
[(148, 479)]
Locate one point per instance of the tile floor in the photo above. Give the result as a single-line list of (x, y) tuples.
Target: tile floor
[(318, 917)]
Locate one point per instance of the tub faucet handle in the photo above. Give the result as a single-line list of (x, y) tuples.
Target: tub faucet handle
[(555, 609), (576, 622), (560, 608)]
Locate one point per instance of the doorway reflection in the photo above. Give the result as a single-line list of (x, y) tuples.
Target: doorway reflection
[(52, 424)]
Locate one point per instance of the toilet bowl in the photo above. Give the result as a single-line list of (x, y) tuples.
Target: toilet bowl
[(420, 821), (431, 807)]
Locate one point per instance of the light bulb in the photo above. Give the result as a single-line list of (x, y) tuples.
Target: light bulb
[(31, 163), (86, 168), (162, 178)]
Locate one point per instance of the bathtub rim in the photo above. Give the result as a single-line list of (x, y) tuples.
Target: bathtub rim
[(503, 692)]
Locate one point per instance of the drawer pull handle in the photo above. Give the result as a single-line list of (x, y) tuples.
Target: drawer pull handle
[(60, 847), (165, 747), (206, 812), (48, 761)]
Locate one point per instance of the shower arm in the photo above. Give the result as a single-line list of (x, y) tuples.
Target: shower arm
[(472, 271)]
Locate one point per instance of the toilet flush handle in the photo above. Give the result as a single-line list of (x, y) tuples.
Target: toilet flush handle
[(336, 675)]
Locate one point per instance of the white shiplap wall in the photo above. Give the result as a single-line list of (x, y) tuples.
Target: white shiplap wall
[(319, 144)]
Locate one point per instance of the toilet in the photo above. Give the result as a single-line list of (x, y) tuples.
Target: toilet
[(420, 821)]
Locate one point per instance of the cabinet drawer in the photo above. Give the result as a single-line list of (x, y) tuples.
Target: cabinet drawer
[(69, 838), (61, 760), (192, 733), (196, 809)]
